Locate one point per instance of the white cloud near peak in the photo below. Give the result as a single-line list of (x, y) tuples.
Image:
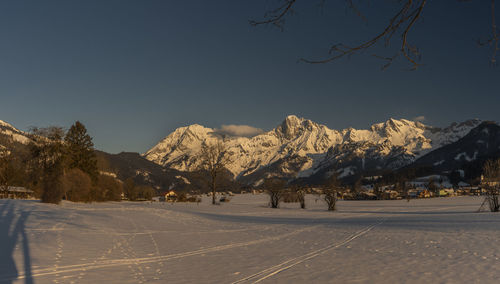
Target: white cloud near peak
[(239, 130), (420, 118)]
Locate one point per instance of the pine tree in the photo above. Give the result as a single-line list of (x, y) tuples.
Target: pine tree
[(80, 151)]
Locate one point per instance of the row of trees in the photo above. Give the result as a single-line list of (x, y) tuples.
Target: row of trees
[(215, 160), (135, 192), (11, 166), (278, 191), (62, 165)]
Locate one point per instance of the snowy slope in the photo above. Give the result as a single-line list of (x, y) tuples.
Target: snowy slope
[(299, 147), (480, 144), (179, 146), (438, 240), (12, 134)]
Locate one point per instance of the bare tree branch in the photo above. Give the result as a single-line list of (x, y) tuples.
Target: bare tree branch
[(276, 16), (214, 161), (493, 41), (410, 12), (401, 23), (495, 33), (355, 9)]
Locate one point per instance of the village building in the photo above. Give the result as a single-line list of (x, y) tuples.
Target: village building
[(489, 182), (16, 192), (170, 195)]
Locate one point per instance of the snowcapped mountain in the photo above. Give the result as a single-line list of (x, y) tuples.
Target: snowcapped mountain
[(299, 147), (469, 152), (9, 134)]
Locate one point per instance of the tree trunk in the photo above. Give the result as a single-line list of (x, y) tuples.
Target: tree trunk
[(213, 190)]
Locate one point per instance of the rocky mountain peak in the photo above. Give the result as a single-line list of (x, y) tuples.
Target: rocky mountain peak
[(294, 126), (298, 147)]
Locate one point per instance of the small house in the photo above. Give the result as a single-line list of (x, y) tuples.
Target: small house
[(170, 195), (390, 194), (16, 192), (424, 194)]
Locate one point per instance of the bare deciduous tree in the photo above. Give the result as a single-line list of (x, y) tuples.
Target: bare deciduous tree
[(401, 24), (299, 193), (77, 185), (491, 182), (109, 188), (47, 162), (275, 188), (214, 161), (329, 192), (377, 190), (5, 165)]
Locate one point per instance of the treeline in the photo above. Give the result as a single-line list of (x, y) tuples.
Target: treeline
[(279, 191), (64, 165), (135, 192), (59, 165)]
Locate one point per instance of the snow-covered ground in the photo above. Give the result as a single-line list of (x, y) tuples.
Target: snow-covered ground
[(438, 240)]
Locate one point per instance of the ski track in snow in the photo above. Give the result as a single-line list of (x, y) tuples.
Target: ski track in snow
[(158, 254), (129, 261), (59, 228), (273, 270), (59, 249), (129, 242), (134, 263), (137, 269)]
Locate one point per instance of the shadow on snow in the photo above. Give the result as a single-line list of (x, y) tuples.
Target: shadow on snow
[(12, 233)]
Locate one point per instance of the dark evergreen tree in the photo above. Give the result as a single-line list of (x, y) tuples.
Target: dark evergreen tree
[(80, 151)]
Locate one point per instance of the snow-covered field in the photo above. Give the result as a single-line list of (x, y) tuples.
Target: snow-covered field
[(438, 240)]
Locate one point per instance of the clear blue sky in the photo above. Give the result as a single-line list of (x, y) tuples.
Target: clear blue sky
[(133, 71)]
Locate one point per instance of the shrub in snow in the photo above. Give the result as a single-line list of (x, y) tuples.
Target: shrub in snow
[(491, 183), (329, 192), (275, 188)]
